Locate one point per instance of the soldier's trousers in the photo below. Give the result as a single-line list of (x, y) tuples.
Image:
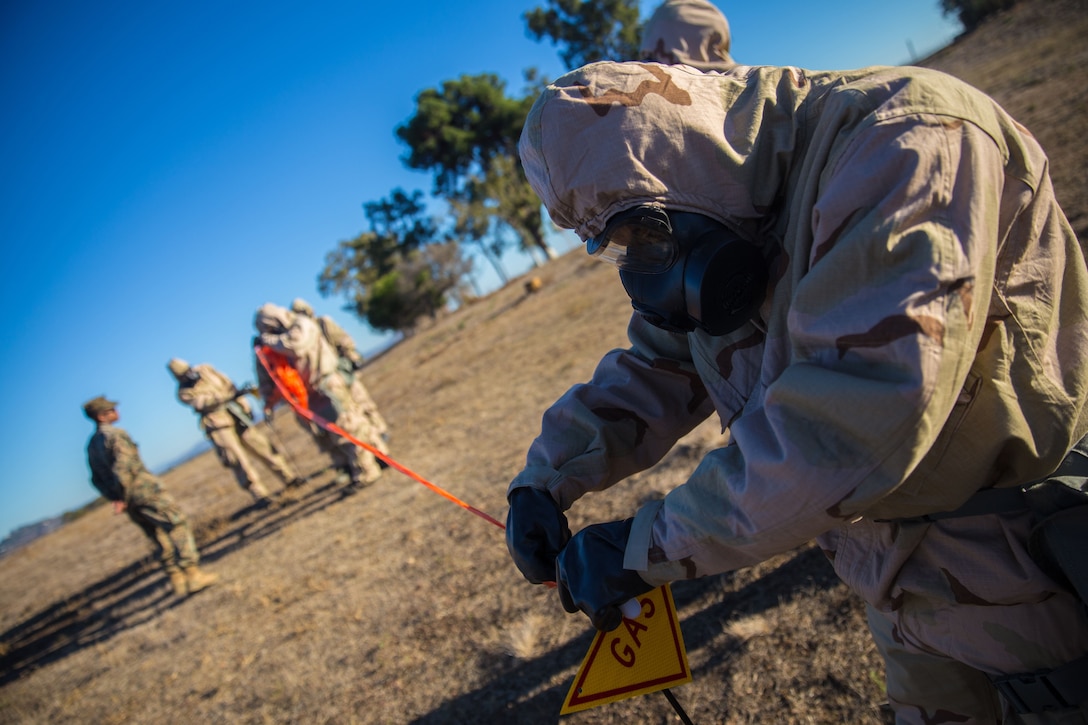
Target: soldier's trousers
[(232, 450), (336, 404), (967, 603), (369, 409), (162, 522)]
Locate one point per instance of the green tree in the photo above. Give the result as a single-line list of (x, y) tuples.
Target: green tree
[(476, 224), (399, 269), (356, 265), (418, 286), (462, 126), (404, 217), (972, 12), (466, 134), (586, 31)]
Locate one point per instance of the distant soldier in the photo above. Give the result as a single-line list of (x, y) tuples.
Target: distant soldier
[(296, 342), (350, 363), (227, 420), (120, 476), (691, 32)]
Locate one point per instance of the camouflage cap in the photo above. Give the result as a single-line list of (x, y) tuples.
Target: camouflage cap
[(94, 406)]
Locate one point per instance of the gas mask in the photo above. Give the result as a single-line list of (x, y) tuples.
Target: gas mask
[(683, 271)]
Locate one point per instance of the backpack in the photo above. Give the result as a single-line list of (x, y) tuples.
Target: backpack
[(1057, 543), (1059, 538)]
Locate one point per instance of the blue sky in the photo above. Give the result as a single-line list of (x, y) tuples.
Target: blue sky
[(169, 167)]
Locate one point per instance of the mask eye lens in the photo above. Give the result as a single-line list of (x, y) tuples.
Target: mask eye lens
[(642, 243)]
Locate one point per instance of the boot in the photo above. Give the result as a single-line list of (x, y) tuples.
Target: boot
[(361, 480), (197, 579), (178, 581)]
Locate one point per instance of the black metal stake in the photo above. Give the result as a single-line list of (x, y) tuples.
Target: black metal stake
[(676, 706)]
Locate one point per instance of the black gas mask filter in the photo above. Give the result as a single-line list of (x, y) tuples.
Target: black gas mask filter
[(683, 271)]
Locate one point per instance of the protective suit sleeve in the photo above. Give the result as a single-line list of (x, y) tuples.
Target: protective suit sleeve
[(639, 402)]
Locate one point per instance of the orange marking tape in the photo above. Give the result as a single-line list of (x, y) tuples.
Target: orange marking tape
[(333, 428)]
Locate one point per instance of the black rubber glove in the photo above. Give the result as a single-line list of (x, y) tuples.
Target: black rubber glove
[(535, 532), (591, 577)]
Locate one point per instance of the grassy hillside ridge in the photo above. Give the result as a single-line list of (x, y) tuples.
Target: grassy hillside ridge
[(1030, 60), (394, 605)]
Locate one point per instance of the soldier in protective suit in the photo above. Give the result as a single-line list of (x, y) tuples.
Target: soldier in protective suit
[(119, 474), (866, 276), (351, 361), (227, 419), (300, 343)]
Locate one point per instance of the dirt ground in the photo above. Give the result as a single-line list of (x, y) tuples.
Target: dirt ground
[(393, 605)]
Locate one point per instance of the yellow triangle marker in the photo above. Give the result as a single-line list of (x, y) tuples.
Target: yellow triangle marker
[(642, 655)]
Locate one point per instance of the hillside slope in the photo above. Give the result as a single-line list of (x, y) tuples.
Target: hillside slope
[(394, 605), (1030, 60)]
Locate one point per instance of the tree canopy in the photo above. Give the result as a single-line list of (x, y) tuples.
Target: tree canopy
[(463, 125), (587, 31), (465, 134), (399, 270), (972, 12)]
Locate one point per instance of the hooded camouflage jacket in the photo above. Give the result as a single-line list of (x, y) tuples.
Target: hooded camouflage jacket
[(924, 330)]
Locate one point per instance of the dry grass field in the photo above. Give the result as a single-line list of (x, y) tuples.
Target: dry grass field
[(393, 605)]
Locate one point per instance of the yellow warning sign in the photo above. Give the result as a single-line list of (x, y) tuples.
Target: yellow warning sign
[(642, 655)]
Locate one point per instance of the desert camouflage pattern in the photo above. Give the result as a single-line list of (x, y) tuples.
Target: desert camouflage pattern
[(327, 442), (369, 409), (350, 362), (339, 339), (692, 32), (300, 339), (922, 338), (336, 335), (212, 397), (119, 474)]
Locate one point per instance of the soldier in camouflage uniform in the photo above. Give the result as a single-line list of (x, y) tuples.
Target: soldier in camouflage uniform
[(691, 32), (867, 277), (227, 419), (300, 340), (350, 363), (120, 476)]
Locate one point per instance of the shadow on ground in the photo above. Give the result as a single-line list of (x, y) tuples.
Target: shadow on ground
[(513, 692), (140, 591)]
